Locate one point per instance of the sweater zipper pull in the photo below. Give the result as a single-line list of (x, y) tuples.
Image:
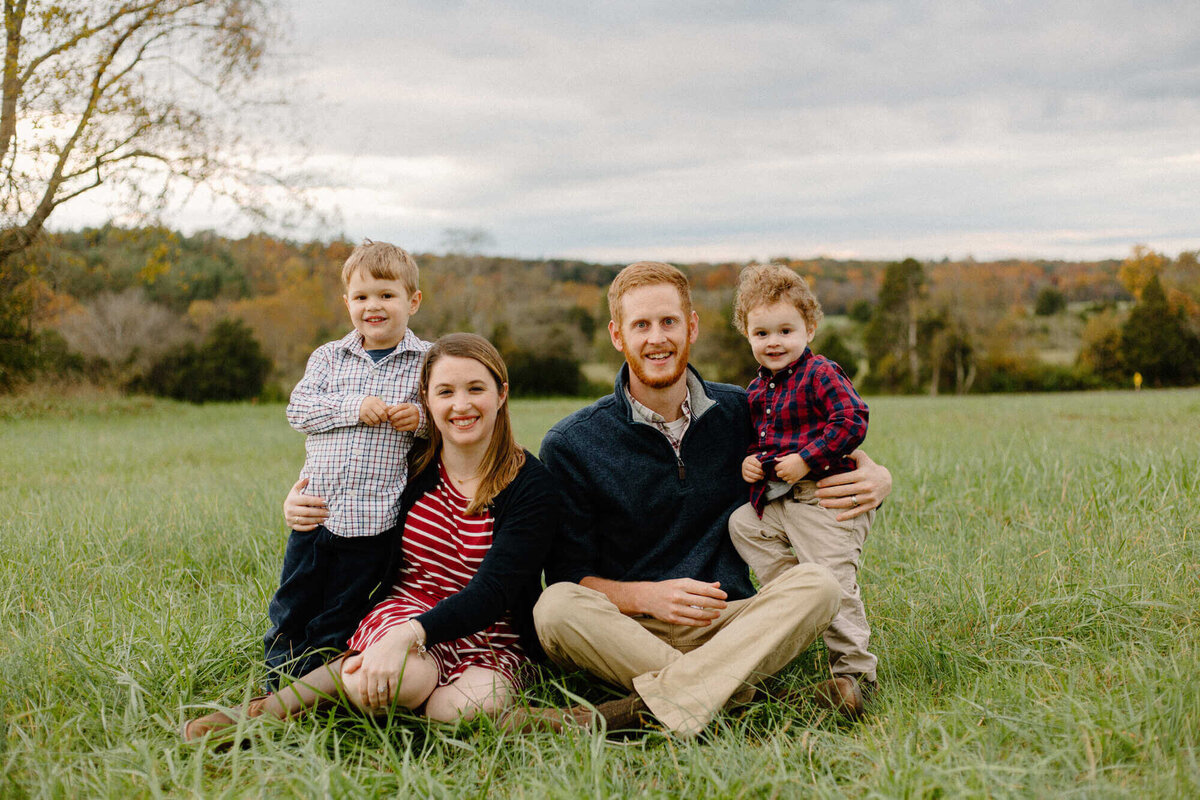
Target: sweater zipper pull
[(682, 469)]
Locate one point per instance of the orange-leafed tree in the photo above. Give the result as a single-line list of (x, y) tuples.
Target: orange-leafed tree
[(1137, 270)]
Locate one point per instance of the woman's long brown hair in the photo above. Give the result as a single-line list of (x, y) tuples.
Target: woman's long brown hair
[(503, 457)]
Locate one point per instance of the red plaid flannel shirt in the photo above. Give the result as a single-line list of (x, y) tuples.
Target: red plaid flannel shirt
[(811, 408)]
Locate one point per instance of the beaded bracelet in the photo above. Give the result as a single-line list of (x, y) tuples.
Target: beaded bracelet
[(419, 639)]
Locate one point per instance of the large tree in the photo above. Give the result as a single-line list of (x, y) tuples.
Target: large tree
[(141, 96), (1157, 342), (144, 97), (891, 336)]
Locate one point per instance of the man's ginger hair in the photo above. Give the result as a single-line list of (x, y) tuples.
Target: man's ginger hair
[(647, 273), (382, 261), (767, 284)]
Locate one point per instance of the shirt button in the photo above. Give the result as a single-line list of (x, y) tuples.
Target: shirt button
[(764, 433), (770, 386), (768, 411)]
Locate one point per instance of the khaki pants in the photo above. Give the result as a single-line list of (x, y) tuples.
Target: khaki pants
[(794, 529), (685, 673)]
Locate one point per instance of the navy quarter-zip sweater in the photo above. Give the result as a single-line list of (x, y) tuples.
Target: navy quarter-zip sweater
[(632, 510)]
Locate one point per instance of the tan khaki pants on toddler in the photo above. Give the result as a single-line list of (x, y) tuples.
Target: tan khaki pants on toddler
[(794, 529), (686, 673)]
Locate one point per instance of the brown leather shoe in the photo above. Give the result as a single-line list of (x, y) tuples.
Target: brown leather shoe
[(625, 713), (221, 721), (842, 694)]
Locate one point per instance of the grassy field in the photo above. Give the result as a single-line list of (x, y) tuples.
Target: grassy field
[(1034, 585)]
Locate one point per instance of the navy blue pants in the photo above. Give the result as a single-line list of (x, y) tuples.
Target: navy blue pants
[(327, 586)]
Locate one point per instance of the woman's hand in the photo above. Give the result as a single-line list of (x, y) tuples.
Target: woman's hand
[(858, 491), (304, 512), (381, 666)]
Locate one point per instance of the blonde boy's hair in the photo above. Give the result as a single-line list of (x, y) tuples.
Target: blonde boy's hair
[(382, 261), (647, 273), (767, 284)]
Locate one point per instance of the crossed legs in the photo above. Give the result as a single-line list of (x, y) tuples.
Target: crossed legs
[(476, 691), (685, 674)]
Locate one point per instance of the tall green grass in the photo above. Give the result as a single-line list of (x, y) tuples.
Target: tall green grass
[(1034, 586)]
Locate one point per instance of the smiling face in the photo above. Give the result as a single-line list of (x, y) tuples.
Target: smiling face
[(778, 334), (379, 309), (463, 401), (655, 335)]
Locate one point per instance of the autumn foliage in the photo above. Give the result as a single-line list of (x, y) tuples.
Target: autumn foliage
[(108, 304)]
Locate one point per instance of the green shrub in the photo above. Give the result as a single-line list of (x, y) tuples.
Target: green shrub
[(533, 375), (833, 347), (228, 365), (1050, 301), (861, 311), (1012, 375)]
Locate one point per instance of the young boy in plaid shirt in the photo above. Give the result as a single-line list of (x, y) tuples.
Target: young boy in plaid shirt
[(807, 419), (357, 404)]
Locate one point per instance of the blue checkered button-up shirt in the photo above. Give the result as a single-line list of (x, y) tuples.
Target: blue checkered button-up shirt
[(359, 469)]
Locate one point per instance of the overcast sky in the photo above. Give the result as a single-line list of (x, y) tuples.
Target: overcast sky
[(700, 130)]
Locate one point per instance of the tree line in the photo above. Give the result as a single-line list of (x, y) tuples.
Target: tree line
[(151, 309)]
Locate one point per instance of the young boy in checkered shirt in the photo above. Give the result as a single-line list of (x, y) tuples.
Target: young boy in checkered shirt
[(807, 420), (357, 404)]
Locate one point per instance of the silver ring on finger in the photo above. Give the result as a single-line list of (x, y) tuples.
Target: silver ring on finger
[(854, 500), (381, 688)]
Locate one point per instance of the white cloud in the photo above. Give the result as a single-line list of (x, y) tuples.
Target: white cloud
[(716, 130)]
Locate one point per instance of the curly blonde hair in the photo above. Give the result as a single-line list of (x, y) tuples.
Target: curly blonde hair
[(767, 284)]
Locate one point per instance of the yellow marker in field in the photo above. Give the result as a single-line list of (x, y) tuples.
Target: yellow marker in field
[(1137, 381)]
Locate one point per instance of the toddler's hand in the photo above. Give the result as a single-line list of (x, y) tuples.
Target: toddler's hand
[(373, 411), (752, 471), (404, 416), (791, 468)]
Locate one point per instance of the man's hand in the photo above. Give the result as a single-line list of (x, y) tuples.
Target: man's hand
[(752, 471), (373, 411), (404, 416), (858, 491), (681, 601), (791, 468), (303, 512)]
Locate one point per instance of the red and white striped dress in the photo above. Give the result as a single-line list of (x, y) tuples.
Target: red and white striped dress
[(442, 550)]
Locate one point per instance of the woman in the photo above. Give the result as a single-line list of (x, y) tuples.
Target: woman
[(454, 637)]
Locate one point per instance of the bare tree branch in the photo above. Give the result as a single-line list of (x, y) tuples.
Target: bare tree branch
[(124, 95)]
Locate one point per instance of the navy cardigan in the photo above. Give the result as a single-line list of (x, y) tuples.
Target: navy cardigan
[(525, 516)]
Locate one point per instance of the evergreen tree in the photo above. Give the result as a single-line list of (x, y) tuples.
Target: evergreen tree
[(891, 335), (833, 347), (1157, 342)]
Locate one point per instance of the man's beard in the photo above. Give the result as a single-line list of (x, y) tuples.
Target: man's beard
[(636, 366)]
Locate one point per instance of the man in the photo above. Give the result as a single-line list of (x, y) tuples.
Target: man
[(647, 591)]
